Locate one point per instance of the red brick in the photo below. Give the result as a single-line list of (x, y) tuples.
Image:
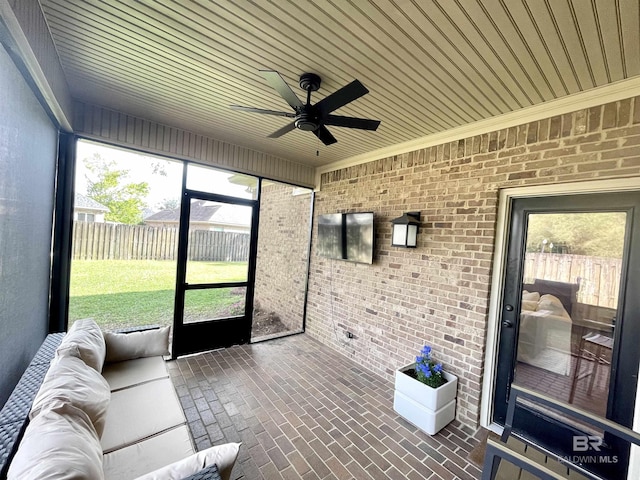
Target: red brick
[(595, 115), (609, 117), (624, 113), (621, 152), (636, 110), (594, 167), (598, 147)]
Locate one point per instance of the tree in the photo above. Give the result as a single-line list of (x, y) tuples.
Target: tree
[(597, 234), (125, 201), (168, 204)]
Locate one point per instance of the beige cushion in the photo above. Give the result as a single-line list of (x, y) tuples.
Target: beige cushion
[(222, 455), (529, 305), (530, 296), (148, 455), (138, 412), (134, 372), (85, 336), (60, 443), (127, 346), (552, 304), (71, 381)]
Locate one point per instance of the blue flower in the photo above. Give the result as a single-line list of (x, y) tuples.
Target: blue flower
[(427, 370)]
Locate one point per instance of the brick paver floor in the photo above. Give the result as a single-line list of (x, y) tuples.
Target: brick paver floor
[(302, 410)]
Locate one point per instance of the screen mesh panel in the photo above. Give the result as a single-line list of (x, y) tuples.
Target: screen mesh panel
[(28, 145)]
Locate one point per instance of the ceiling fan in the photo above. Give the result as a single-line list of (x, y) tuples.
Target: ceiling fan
[(314, 118)]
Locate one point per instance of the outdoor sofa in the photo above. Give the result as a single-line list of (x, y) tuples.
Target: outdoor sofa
[(100, 405)]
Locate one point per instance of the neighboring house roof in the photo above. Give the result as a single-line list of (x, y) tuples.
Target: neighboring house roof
[(87, 203), (207, 212), (233, 215), (147, 212)]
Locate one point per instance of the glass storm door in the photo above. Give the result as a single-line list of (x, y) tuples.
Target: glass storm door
[(214, 288), (570, 316)]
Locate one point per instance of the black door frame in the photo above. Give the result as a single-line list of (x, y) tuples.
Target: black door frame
[(198, 337), (62, 247), (624, 367)]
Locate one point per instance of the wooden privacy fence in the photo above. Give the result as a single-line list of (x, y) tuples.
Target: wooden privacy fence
[(599, 276), (106, 241)]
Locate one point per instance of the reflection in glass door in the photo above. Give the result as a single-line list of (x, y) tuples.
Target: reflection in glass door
[(571, 284), (569, 315)]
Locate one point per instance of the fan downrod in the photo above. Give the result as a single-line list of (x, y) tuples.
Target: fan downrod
[(310, 82), (307, 118)]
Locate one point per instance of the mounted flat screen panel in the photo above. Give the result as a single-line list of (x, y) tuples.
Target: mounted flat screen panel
[(359, 227), (330, 236), (346, 236)]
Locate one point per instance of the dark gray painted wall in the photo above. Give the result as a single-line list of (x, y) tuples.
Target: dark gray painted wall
[(28, 146)]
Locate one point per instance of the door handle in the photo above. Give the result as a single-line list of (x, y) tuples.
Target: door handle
[(507, 324)]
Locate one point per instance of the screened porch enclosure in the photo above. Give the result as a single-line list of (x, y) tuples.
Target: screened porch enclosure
[(124, 261)]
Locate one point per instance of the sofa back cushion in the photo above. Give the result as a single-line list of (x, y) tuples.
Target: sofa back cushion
[(60, 443), (85, 338), (552, 304), (128, 346), (71, 381)]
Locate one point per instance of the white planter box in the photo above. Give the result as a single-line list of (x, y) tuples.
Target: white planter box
[(429, 409)]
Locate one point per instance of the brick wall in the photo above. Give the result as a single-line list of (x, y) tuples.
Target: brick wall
[(438, 293), (283, 245)]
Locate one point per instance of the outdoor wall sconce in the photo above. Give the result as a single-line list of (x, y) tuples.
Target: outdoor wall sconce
[(405, 230)]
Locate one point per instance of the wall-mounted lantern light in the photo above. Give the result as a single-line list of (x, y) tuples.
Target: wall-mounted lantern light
[(405, 230)]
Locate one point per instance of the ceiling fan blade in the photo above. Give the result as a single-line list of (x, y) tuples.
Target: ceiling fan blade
[(260, 110), (325, 135), (351, 122), (276, 81), (341, 97), (283, 130)]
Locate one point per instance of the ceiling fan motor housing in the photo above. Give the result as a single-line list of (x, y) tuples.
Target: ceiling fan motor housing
[(307, 121)]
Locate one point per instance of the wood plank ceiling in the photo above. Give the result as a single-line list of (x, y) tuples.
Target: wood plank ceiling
[(430, 65)]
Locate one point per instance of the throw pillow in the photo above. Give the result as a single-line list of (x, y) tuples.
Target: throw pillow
[(224, 456), (128, 346)]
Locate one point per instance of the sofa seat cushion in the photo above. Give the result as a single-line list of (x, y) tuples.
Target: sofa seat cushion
[(125, 374), (139, 412), (224, 456), (146, 456), (59, 444)]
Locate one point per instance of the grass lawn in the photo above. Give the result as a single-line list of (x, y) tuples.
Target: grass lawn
[(122, 293)]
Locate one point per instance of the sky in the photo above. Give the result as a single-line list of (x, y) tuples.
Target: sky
[(161, 187)]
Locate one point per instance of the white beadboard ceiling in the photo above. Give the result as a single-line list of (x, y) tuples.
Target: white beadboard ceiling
[(430, 65)]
